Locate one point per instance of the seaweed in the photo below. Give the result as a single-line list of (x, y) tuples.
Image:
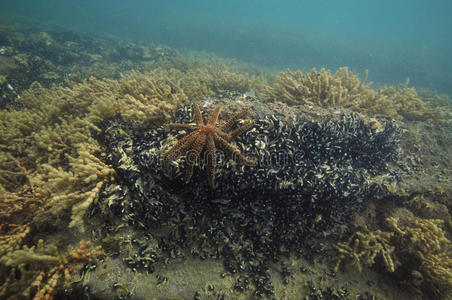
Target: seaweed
[(345, 89)]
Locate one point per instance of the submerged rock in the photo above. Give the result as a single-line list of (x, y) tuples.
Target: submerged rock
[(313, 175)]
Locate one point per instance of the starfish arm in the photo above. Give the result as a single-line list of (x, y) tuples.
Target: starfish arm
[(211, 161), (193, 155), (179, 126), (198, 116), (214, 117), (241, 129), (231, 121), (181, 146), (224, 135), (234, 152)]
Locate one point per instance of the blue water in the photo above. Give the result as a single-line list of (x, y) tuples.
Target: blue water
[(393, 39)]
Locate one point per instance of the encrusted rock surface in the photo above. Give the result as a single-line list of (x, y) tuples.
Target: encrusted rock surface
[(315, 170)]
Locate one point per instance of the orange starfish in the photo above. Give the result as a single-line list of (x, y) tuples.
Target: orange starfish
[(207, 135)]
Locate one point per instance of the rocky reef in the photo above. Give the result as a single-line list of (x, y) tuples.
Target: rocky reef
[(349, 198), (311, 177)]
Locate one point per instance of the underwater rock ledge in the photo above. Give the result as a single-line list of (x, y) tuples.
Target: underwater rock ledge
[(312, 176)]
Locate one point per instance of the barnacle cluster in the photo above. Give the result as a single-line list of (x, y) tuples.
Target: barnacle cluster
[(309, 180)]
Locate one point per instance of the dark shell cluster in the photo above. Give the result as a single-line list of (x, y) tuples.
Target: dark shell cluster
[(310, 179)]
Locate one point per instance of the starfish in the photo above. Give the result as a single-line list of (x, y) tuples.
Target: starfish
[(210, 136)]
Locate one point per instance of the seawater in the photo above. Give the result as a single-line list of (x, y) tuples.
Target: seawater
[(394, 40)]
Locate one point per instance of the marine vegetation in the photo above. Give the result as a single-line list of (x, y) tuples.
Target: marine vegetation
[(32, 52), (47, 269), (422, 246), (51, 171), (317, 88), (414, 249), (83, 140), (345, 89), (210, 136), (364, 246)]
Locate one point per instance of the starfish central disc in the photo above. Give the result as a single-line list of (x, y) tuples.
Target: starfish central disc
[(207, 129), (210, 136)]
